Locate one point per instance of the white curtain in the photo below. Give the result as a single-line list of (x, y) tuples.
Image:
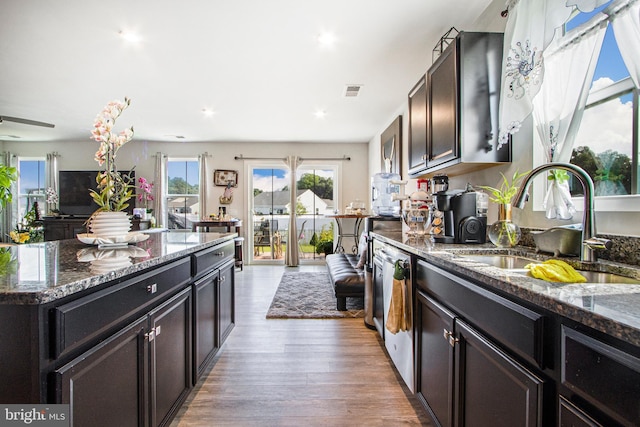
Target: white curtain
[(530, 28), (570, 62), (626, 27), (292, 257), (51, 177), (160, 189), (205, 185)]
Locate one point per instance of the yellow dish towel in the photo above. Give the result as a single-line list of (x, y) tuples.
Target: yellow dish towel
[(555, 270)]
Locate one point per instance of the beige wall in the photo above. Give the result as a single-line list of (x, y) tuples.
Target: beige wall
[(141, 154)]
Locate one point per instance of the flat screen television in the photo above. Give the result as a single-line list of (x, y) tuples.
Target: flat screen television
[(74, 197)]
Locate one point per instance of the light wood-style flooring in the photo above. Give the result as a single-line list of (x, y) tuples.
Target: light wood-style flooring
[(297, 372)]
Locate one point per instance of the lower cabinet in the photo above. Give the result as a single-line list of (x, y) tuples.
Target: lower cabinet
[(465, 380), (491, 388), (139, 376), (469, 342), (214, 316)]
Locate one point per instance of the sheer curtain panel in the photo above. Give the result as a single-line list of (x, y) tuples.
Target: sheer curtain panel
[(570, 63), (205, 185), (292, 257), (626, 27), (160, 189)]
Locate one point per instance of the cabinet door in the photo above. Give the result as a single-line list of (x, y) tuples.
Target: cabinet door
[(572, 416), (442, 114), (170, 351), (226, 302), (492, 389), (418, 126), (435, 356), (106, 386), (205, 304)]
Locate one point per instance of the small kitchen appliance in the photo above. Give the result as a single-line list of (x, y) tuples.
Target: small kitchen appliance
[(462, 224), (384, 186)]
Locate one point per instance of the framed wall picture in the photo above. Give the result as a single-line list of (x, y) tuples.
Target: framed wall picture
[(222, 178), (390, 147)]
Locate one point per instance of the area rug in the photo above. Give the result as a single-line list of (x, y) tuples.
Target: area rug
[(303, 295)]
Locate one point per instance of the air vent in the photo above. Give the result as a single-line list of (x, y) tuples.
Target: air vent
[(351, 91)]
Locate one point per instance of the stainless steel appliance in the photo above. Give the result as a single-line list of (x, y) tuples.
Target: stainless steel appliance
[(380, 224), (462, 224), (399, 345)]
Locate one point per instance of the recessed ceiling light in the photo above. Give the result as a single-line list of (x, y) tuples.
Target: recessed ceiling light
[(130, 36), (208, 112), (326, 39), (320, 114)]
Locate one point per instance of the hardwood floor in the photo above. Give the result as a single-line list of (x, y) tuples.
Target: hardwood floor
[(297, 372)]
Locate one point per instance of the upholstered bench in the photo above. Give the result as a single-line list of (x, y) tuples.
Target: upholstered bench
[(347, 279)]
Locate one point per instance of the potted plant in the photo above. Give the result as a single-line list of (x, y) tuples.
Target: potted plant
[(114, 189), (504, 232)]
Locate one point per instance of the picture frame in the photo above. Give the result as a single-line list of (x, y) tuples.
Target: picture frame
[(391, 147), (222, 177)]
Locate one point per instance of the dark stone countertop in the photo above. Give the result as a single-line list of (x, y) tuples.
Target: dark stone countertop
[(43, 272), (613, 309)]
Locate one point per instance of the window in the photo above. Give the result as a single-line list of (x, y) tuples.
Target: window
[(606, 145), (183, 178), (31, 186)]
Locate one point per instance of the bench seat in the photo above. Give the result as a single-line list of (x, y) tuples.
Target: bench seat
[(347, 280)]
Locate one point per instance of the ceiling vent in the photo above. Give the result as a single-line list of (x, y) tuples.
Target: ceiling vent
[(352, 91)]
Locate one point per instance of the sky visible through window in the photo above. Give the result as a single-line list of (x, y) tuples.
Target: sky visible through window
[(187, 170), (606, 127)]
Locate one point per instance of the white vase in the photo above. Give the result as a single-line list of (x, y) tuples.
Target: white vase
[(110, 224)]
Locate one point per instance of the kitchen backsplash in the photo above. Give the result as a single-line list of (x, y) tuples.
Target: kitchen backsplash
[(625, 249)]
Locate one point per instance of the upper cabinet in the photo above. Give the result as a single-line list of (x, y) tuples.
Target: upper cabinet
[(453, 109)]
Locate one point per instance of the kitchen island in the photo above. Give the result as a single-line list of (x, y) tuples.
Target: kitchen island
[(119, 334), (508, 349)]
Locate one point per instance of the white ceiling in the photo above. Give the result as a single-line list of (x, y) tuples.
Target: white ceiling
[(256, 63)]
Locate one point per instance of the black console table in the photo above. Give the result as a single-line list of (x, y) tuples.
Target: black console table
[(61, 228)]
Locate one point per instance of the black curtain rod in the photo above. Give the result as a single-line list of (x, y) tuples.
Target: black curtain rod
[(241, 157)]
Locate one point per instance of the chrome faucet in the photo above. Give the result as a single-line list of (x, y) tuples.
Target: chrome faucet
[(589, 240)]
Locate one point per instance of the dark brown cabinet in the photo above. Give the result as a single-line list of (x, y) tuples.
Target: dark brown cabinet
[(138, 376), (418, 126), (461, 93), (214, 316), (463, 378)]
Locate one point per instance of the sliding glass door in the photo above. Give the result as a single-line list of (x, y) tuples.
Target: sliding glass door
[(271, 210)]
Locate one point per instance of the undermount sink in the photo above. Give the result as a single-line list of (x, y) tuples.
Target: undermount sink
[(516, 264)]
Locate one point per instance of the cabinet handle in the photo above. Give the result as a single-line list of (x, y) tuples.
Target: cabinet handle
[(152, 289), (222, 279), (448, 336), (219, 254), (158, 329), (150, 335)]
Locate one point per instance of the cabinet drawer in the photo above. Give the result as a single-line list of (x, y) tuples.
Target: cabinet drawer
[(588, 369), (86, 318), (208, 259), (517, 328)]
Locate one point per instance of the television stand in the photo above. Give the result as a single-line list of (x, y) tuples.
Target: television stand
[(68, 227)]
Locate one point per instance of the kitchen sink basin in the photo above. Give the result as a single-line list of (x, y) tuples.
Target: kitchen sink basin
[(516, 264), (501, 260)]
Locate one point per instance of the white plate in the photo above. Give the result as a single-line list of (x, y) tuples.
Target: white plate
[(93, 239)]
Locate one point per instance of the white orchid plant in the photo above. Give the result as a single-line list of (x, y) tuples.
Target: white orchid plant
[(114, 189)]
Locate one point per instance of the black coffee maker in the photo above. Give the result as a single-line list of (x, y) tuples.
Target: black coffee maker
[(461, 221)]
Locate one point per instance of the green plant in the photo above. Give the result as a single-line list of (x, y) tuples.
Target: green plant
[(507, 190), (324, 242), (8, 175)]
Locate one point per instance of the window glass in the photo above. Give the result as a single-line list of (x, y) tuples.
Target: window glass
[(183, 182), (604, 144), (31, 185)]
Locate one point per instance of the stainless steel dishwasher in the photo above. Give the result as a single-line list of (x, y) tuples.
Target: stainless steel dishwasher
[(398, 345)]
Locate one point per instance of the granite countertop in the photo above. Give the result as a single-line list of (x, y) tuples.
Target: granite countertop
[(613, 309), (43, 272)]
